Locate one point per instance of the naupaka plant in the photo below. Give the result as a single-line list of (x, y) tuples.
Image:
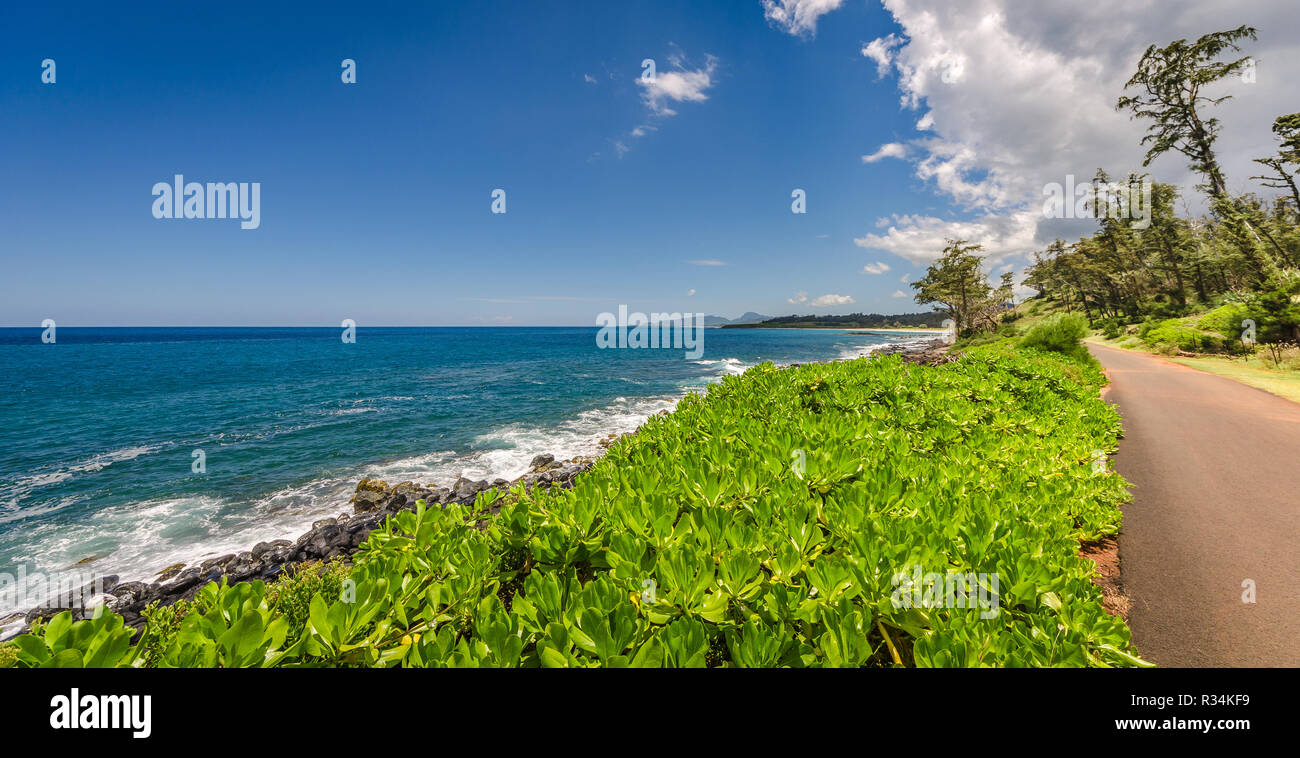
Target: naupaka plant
[(699, 542)]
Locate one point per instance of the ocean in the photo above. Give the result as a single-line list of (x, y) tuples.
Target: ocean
[(99, 431)]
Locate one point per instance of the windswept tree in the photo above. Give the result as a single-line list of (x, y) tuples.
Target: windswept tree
[(957, 284), (1285, 164), (1154, 263), (1171, 83), (1287, 129)]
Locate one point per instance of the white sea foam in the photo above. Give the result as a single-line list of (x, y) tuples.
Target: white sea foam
[(858, 351), (21, 486), (726, 366), (352, 411)]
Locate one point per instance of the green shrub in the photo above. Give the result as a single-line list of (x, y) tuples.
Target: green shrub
[(978, 338), (1286, 280), (8, 655), (290, 595), (1062, 333), (1277, 319), (1182, 336), (1212, 333), (1224, 320), (1111, 327), (1166, 310), (163, 622)]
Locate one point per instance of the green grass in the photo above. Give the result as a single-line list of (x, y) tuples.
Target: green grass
[(1032, 311), (774, 521), (1257, 371)]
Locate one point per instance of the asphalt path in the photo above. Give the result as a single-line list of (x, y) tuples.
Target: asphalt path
[(1215, 469)]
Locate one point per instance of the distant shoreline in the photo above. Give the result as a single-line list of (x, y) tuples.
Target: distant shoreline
[(847, 329)]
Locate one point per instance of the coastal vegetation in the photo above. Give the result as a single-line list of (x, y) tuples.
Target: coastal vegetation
[(957, 283), (858, 513)]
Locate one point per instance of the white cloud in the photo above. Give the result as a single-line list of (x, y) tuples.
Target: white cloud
[(690, 293), (589, 78), (828, 300), (888, 150), (707, 262), (799, 299), (905, 278), (1017, 94), (879, 267), (881, 50), (900, 293), (920, 239), (798, 17), (680, 85)]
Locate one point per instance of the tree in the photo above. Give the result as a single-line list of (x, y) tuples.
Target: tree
[(1172, 80), (956, 283), (1287, 129)]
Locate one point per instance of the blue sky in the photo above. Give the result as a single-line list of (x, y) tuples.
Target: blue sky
[(375, 196)]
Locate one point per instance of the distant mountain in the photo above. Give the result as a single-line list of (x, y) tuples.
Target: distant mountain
[(750, 317)]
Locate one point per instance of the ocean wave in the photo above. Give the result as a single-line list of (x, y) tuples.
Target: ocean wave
[(138, 540), (21, 486), (351, 411), (506, 451), (726, 366), (858, 351)]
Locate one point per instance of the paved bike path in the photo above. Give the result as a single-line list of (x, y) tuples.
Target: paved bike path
[(1215, 469)]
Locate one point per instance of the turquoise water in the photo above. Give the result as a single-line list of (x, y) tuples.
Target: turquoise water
[(98, 431)]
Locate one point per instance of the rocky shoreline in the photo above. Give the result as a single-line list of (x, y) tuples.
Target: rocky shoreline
[(338, 538), (328, 539), (929, 353)]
